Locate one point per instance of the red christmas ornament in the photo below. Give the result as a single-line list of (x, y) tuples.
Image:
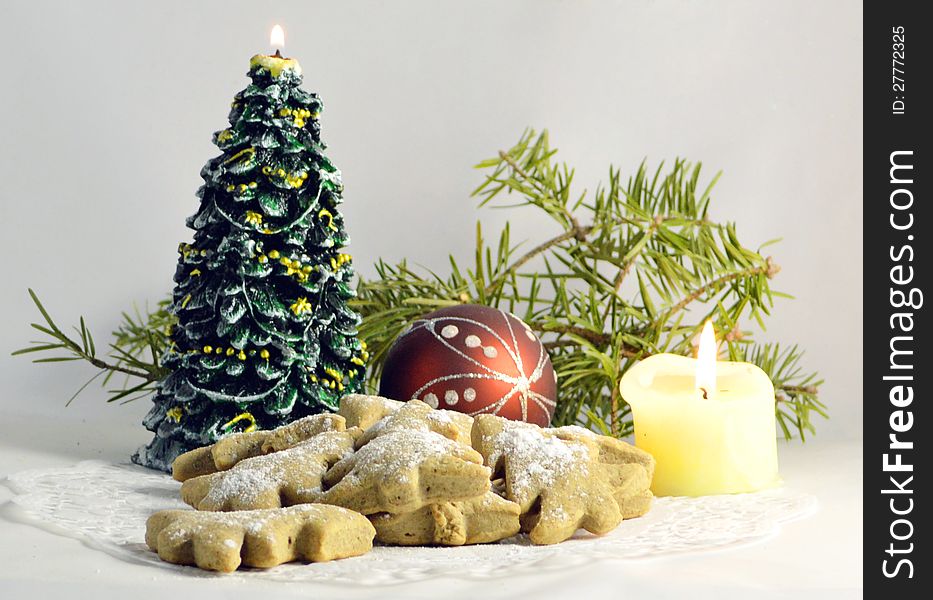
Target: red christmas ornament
[(473, 359)]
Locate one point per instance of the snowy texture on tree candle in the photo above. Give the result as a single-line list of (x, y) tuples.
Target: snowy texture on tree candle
[(264, 335)]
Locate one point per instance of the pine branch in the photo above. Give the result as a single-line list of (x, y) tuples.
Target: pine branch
[(126, 357), (770, 269), (655, 228), (577, 233)]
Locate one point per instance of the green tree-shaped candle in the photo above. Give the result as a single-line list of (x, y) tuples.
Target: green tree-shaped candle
[(264, 333)]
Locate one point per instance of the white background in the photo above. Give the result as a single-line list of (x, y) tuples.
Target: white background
[(107, 110)]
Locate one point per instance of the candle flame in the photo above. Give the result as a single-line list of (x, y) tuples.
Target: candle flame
[(706, 361), (277, 37)]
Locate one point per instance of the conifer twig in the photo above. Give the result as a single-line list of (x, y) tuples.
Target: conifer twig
[(654, 227)]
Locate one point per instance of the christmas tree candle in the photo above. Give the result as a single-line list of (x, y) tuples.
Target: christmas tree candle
[(265, 334), (709, 425)]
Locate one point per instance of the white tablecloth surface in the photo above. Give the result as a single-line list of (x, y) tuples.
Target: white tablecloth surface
[(816, 557)]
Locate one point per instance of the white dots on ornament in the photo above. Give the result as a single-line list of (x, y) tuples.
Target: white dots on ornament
[(451, 397), (490, 352), (430, 400), (472, 341), (450, 331), (469, 394)]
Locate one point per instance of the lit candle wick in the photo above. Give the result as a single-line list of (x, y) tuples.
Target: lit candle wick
[(706, 362), (277, 39)]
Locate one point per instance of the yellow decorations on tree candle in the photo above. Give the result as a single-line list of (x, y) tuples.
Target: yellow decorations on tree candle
[(325, 214), (244, 156), (296, 181), (187, 250), (254, 218), (293, 267), (175, 413), (301, 306), (247, 417), (231, 352), (298, 115)]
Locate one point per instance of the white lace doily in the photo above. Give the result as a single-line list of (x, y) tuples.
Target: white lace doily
[(106, 506)]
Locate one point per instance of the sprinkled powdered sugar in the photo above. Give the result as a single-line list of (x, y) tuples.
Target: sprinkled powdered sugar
[(254, 521), (424, 423), (535, 461), (573, 429), (439, 416), (391, 455), (253, 477)]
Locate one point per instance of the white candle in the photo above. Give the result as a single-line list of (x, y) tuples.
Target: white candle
[(709, 425)]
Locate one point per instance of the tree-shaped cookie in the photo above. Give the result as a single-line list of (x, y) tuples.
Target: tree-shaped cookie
[(404, 470), (291, 476), (630, 469), (224, 454), (265, 334), (258, 538), (415, 415), (479, 520), (612, 451), (559, 484), (365, 411)]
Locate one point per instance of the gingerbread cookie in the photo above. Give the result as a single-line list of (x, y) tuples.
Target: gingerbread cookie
[(403, 471), (364, 411), (611, 450), (632, 485), (299, 431), (479, 520), (258, 538), (415, 415), (291, 476), (239, 446), (559, 484)]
